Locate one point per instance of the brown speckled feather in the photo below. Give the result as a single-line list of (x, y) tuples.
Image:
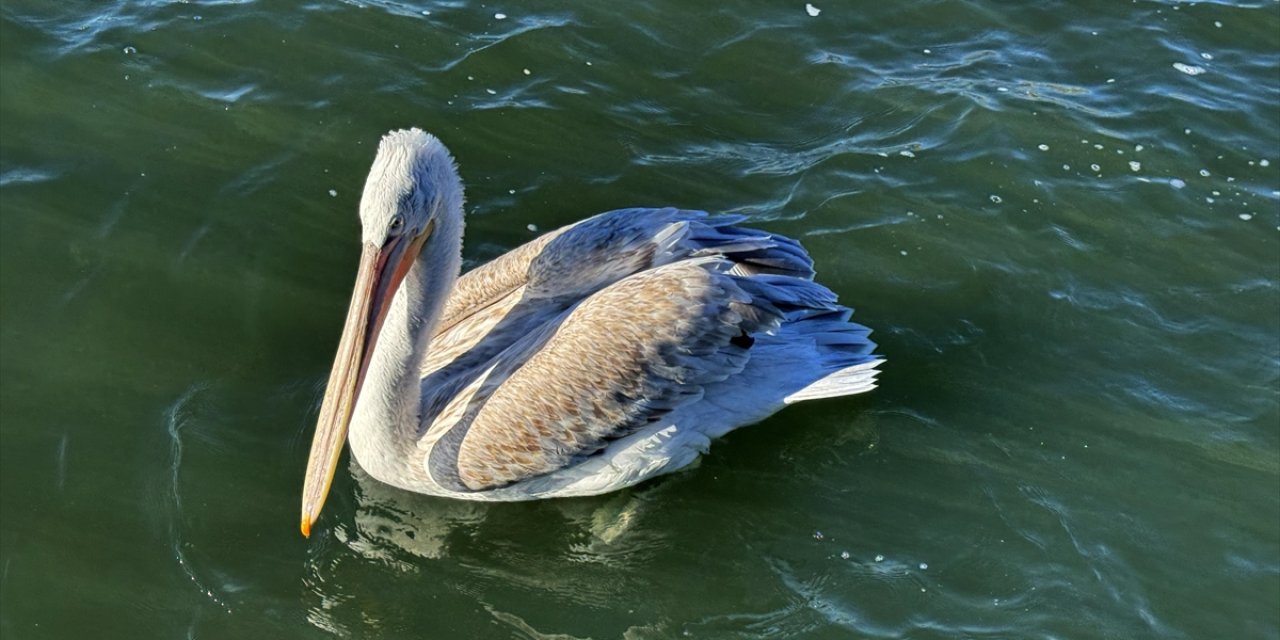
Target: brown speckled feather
[(491, 282), (625, 356), (520, 289)]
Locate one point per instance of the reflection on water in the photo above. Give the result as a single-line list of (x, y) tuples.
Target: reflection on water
[(387, 521), (411, 538)]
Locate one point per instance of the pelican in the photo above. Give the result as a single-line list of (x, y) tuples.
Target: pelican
[(591, 358)]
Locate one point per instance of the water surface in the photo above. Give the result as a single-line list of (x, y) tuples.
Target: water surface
[(1061, 218)]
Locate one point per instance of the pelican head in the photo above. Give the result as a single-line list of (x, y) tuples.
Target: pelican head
[(412, 187), (412, 182)]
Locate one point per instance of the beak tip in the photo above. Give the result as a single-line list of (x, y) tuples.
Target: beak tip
[(306, 527)]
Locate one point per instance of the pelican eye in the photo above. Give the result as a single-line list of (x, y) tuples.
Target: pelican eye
[(397, 225)]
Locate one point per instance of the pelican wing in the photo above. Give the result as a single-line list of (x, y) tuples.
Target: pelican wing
[(505, 300), (570, 263), (489, 284), (618, 361)]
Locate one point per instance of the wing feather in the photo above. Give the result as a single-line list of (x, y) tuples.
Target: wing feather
[(491, 282), (621, 359), (566, 265)]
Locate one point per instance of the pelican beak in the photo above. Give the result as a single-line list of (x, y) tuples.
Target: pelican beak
[(381, 271)]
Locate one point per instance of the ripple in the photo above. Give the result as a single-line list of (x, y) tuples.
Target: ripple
[(23, 175), (76, 31), (1138, 306), (523, 628), (176, 417), (758, 158), (857, 226)]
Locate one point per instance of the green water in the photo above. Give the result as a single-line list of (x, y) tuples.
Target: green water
[(1068, 247)]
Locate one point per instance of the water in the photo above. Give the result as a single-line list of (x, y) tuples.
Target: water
[(1063, 220)]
